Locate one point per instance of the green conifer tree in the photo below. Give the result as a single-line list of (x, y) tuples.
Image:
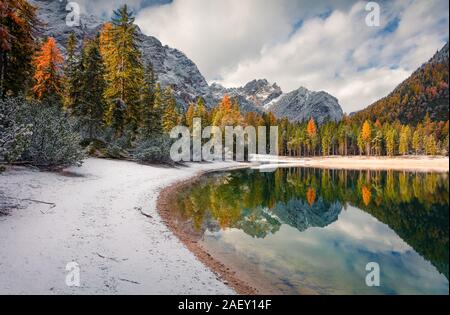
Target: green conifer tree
[(90, 106), (170, 115), (124, 68)]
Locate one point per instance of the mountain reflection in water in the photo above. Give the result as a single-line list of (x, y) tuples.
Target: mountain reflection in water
[(399, 218)]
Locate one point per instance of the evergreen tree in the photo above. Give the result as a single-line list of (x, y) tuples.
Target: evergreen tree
[(91, 106), (326, 136), (115, 117), (404, 141), (151, 109), (360, 143), (201, 112), (430, 145), (189, 116), (391, 140), (124, 69), (377, 142), (170, 116), (417, 140), (72, 72)]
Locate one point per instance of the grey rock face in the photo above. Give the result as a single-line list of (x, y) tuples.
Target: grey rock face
[(253, 96), (300, 105), (441, 56), (173, 68)]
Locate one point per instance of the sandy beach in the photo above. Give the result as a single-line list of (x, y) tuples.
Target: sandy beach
[(103, 217)]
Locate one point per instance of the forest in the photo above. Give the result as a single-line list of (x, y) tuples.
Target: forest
[(100, 99)]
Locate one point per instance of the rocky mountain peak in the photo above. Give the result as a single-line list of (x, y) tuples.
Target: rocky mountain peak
[(302, 104), (441, 56), (171, 66)]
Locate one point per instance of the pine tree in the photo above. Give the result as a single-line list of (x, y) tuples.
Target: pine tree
[(48, 76), (430, 145), (71, 72), (417, 140), (124, 69), (377, 142), (18, 28), (391, 140), (404, 141), (91, 106), (360, 143), (189, 116), (170, 116), (201, 112), (151, 108), (326, 136)]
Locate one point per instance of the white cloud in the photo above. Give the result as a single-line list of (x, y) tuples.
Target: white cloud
[(300, 43), (217, 33), (106, 7)]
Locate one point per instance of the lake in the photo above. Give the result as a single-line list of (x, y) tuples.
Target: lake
[(313, 231)]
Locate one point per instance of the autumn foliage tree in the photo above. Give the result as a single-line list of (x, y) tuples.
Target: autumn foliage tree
[(311, 130), (18, 28), (366, 136), (226, 114), (48, 75)]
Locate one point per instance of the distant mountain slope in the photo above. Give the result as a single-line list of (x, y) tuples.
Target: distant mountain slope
[(252, 97), (298, 106), (425, 91), (173, 68), (171, 65), (301, 104)]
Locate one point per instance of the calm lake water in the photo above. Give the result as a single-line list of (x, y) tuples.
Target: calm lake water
[(302, 230)]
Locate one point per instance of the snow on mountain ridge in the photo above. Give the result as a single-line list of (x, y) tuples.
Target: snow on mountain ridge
[(302, 104), (174, 68)]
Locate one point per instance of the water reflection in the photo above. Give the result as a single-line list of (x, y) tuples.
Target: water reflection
[(323, 225)]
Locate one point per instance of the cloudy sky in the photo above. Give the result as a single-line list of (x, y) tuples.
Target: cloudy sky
[(321, 45)]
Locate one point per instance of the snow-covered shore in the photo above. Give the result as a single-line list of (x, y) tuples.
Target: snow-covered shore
[(101, 216)]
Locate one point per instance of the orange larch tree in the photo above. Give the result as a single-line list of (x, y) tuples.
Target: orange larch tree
[(48, 63), (311, 128), (366, 135), (18, 28)]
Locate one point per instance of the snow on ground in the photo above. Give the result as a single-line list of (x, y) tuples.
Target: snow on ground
[(91, 216)]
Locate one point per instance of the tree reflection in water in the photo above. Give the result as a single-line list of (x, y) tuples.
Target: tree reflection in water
[(414, 205)]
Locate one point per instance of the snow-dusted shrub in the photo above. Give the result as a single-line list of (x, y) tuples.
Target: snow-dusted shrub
[(54, 143), (15, 133), (117, 148), (154, 150)]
